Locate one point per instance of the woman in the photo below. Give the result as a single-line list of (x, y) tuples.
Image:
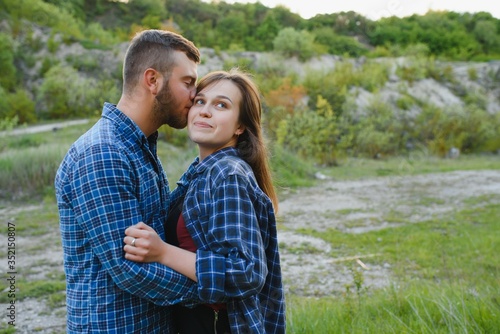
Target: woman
[(226, 237)]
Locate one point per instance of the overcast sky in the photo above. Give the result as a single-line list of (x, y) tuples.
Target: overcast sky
[(375, 9)]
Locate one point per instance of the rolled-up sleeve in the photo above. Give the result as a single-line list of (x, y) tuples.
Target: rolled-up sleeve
[(105, 203)]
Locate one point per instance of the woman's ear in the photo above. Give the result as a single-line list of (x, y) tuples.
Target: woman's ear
[(240, 130)]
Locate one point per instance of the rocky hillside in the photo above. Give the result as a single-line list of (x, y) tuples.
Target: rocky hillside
[(462, 79)]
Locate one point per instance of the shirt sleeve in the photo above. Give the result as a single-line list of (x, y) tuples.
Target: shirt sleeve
[(105, 205), (233, 265)]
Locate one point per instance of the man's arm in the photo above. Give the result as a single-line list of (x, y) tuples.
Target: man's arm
[(105, 204)]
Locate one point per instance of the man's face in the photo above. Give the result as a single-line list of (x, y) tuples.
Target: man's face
[(175, 97)]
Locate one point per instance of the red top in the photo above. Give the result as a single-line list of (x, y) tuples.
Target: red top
[(187, 243), (185, 240)]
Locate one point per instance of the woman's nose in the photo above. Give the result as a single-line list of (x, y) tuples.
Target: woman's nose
[(205, 111)]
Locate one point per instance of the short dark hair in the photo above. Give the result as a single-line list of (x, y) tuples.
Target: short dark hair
[(153, 49)]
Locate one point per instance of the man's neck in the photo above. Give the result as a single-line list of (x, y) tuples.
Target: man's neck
[(138, 113)]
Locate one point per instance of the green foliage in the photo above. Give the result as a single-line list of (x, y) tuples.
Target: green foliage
[(443, 34), (7, 68), (375, 133), (471, 129), (47, 15), (486, 33), (321, 83), (293, 43), (7, 124), (472, 72), (312, 133), (19, 106), (290, 171), (52, 44), (148, 12), (338, 44), (96, 37), (173, 136), (87, 63), (64, 93)]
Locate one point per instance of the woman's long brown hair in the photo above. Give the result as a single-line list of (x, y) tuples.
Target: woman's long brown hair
[(251, 145)]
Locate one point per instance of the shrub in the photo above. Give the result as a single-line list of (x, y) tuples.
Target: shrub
[(64, 93), (376, 132), (21, 106), (311, 134), (293, 43)]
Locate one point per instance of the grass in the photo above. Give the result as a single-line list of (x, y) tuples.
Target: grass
[(415, 164), (446, 280)]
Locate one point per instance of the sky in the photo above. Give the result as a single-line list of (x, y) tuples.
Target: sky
[(375, 9)]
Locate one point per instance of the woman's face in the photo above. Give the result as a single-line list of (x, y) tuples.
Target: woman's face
[(213, 120)]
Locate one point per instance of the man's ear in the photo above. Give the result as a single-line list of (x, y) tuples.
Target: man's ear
[(152, 80)]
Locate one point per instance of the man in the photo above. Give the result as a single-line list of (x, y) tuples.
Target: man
[(111, 178)]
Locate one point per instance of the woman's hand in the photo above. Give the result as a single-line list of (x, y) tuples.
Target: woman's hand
[(143, 244)]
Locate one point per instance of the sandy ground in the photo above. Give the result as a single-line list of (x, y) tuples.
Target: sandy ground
[(309, 268)]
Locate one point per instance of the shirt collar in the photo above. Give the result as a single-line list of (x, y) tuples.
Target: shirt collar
[(127, 127), (216, 156)]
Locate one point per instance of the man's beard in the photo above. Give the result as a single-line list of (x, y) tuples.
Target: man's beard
[(166, 109)]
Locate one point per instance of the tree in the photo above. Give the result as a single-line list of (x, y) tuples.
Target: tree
[(337, 44), (486, 34), (293, 43)]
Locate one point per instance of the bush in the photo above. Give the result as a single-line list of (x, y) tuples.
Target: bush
[(376, 132), (64, 93), (338, 44), (21, 106), (293, 43), (312, 134)]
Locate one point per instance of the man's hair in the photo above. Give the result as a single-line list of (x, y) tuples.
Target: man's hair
[(154, 49)]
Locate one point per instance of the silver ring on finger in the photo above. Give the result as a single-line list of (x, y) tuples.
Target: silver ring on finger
[(133, 242)]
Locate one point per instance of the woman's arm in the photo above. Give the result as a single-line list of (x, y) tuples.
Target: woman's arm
[(149, 247), (233, 263)]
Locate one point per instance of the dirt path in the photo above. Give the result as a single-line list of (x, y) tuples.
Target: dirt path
[(42, 128), (308, 268)]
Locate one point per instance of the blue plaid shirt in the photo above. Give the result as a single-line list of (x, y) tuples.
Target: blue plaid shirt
[(233, 225), (110, 179)]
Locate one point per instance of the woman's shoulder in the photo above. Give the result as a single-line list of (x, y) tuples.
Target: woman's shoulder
[(229, 165)]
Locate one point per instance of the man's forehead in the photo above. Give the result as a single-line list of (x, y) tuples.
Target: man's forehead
[(185, 67)]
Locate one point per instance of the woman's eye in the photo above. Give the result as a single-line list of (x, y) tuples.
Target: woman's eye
[(198, 101), (221, 105)]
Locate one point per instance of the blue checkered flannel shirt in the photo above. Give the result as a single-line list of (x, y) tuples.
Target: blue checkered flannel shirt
[(110, 179), (233, 225)]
